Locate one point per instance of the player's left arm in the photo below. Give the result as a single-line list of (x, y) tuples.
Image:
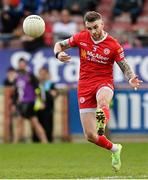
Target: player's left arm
[(129, 73)]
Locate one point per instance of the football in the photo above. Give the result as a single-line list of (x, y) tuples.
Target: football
[(34, 26)]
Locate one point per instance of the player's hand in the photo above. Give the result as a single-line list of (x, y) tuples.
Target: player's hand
[(135, 82), (64, 57)]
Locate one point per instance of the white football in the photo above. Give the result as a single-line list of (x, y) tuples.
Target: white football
[(34, 26)]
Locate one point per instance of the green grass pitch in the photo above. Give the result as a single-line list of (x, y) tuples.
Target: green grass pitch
[(70, 160)]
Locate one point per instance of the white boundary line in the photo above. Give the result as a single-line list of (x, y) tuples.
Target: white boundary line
[(141, 177)]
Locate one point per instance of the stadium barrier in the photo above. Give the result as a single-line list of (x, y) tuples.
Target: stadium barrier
[(128, 115)]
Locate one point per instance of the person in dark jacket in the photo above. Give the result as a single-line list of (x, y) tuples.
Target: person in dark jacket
[(45, 109), (9, 83)]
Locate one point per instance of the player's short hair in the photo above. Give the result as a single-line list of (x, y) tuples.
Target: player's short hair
[(92, 16)]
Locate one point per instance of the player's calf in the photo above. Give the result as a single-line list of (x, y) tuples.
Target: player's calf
[(90, 136)]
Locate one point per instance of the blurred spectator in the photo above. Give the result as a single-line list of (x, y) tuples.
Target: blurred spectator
[(10, 78), (15, 3), (32, 44), (76, 14), (45, 109), (75, 9), (1, 5), (48, 34), (137, 43), (54, 16), (125, 42), (10, 15), (133, 7), (87, 5), (65, 27), (32, 6), (79, 21), (9, 83), (90, 5), (26, 83), (48, 5)]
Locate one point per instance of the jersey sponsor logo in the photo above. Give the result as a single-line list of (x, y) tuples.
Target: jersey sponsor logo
[(97, 57), (82, 100), (106, 51), (83, 44), (83, 53), (92, 56)]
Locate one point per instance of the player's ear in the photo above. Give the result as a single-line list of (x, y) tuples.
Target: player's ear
[(102, 23)]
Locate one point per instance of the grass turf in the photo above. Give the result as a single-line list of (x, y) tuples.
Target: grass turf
[(70, 160)]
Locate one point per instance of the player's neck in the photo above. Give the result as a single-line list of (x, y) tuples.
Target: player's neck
[(101, 38), (102, 35)]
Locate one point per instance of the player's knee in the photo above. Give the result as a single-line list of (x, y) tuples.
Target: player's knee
[(90, 137), (102, 102)]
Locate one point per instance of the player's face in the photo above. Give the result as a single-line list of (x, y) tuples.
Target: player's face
[(95, 28)]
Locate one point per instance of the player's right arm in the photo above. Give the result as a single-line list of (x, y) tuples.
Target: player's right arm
[(59, 50), (60, 47)]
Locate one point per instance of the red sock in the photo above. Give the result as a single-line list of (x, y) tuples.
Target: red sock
[(107, 113), (104, 142)]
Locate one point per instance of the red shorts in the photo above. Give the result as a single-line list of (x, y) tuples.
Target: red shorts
[(87, 94)]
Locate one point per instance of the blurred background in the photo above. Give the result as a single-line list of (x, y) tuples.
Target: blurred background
[(58, 112)]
